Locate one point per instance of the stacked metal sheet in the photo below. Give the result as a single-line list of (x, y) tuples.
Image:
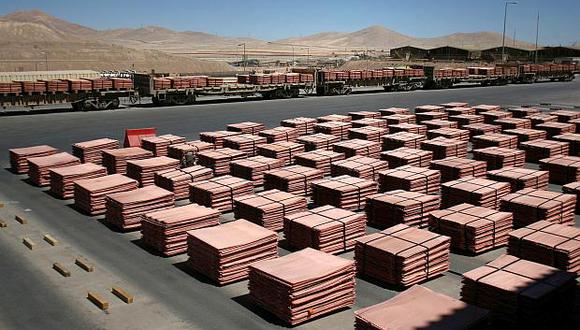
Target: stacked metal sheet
[(188, 149), (39, 167), (224, 253), (449, 133), (497, 158), (253, 168), (540, 149), (394, 111), (521, 112), (402, 139), (565, 116), (284, 151), (409, 128), (318, 141), (62, 178), (467, 120), (399, 119), (303, 125), (268, 208), (573, 188), (490, 117), (576, 122), (343, 191), (429, 309), (280, 134), (160, 144), (373, 122), (521, 293), (437, 123), (514, 123), (531, 205), (246, 127), (458, 111), (432, 115), (563, 169), (369, 133), (450, 105), (319, 159), (166, 230), (548, 243), (407, 156), (443, 147), (216, 138), (541, 118), (479, 129), (178, 180), (360, 167), (325, 228), (525, 135), (334, 117), (485, 108), (90, 151), (90, 193), (219, 192), (413, 255), (294, 179), (303, 285), (429, 108), (356, 147), (124, 209), (398, 206), (472, 229), (115, 160), (410, 178), (247, 143), (573, 139), (495, 140), (520, 178), (556, 128), (143, 170), (453, 168), (336, 128), (219, 160), (357, 115), (475, 191), (19, 156)]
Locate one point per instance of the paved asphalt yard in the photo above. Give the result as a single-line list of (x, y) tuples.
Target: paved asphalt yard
[(167, 295)]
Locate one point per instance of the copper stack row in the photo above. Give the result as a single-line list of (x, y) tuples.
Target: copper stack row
[(225, 252), (472, 229), (166, 230), (325, 228), (90, 193), (303, 285), (90, 151), (399, 206), (62, 178), (268, 208), (19, 156), (413, 255), (124, 209), (178, 180), (39, 167)]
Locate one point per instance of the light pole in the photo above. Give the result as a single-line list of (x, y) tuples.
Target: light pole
[(504, 22), (308, 56), (244, 55), (537, 33)]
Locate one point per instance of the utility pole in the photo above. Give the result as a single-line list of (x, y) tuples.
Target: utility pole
[(46, 60), (504, 23), (537, 33), (244, 55)]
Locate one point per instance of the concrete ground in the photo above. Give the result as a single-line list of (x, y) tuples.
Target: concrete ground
[(167, 295)]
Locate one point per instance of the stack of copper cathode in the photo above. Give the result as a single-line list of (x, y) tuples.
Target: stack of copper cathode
[(318, 141), (325, 228), (280, 134), (253, 168), (343, 191), (268, 208), (303, 125), (319, 159), (475, 191), (19, 156), (219, 192), (360, 167), (407, 156), (219, 160), (246, 127), (166, 230), (177, 180), (398, 206), (413, 255), (247, 143), (410, 178), (224, 253), (143, 170), (217, 138), (453, 168), (531, 205), (39, 167), (90, 151), (284, 151), (191, 148), (294, 179), (303, 285), (90, 193), (358, 147), (159, 144), (115, 160), (473, 229), (62, 178)]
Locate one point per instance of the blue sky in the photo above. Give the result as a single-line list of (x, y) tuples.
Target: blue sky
[(274, 19)]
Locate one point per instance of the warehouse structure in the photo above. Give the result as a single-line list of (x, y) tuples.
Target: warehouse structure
[(511, 53), (410, 53), (550, 53)]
